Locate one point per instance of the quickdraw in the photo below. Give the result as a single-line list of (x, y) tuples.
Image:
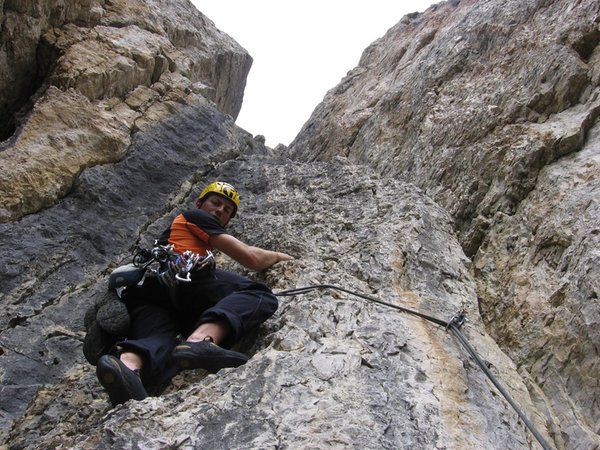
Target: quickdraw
[(170, 267)]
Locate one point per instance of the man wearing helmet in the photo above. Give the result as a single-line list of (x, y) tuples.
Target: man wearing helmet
[(214, 310)]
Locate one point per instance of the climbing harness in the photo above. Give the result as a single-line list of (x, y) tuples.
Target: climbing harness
[(161, 262), (454, 325)]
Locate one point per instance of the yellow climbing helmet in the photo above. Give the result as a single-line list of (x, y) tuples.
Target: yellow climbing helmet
[(224, 189)]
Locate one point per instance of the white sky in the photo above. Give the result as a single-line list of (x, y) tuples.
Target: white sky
[(301, 49)]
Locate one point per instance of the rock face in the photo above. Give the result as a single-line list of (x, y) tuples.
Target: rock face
[(456, 169), (80, 77), (491, 108)]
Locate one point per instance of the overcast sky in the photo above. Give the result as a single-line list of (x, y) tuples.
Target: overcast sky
[(301, 49)]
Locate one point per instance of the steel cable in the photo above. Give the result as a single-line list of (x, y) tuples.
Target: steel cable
[(453, 324)]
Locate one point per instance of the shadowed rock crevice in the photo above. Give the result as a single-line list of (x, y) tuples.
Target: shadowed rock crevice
[(18, 100), (586, 43), (33, 83), (27, 62)]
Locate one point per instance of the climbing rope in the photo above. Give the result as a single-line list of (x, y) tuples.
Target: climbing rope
[(454, 325)]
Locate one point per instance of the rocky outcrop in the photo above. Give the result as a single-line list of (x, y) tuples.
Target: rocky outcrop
[(492, 109), (80, 78), (327, 370), (429, 178)]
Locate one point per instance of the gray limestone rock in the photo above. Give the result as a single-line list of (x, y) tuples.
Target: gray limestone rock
[(492, 109), (80, 79), (330, 369)]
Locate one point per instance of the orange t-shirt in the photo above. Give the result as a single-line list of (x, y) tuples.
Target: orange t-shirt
[(191, 230)]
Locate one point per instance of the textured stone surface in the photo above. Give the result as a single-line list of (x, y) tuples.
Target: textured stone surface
[(492, 109), (328, 369), (455, 169), (98, 72), (539, 278), (469, 102)]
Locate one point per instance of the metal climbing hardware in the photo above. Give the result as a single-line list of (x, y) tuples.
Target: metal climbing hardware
[(189, 261), (453, 325), (457, 320), (141, 256), (170, 267), (162, 253), (175, 268)]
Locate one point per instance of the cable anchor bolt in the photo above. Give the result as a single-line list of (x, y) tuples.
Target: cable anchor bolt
[(457, 320)]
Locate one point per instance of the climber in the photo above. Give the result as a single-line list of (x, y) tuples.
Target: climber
[(214, 310)]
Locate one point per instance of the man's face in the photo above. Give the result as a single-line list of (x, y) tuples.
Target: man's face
[(219, 206)]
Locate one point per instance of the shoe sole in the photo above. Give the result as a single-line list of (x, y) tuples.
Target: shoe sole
[(188, 360)]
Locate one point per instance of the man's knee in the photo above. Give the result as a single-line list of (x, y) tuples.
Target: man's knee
[(270, 303)]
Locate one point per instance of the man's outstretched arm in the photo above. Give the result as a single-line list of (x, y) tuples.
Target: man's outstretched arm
[(254, 258)]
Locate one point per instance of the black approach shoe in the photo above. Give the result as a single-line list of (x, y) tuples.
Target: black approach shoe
[(206, 355), (120, 381)]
